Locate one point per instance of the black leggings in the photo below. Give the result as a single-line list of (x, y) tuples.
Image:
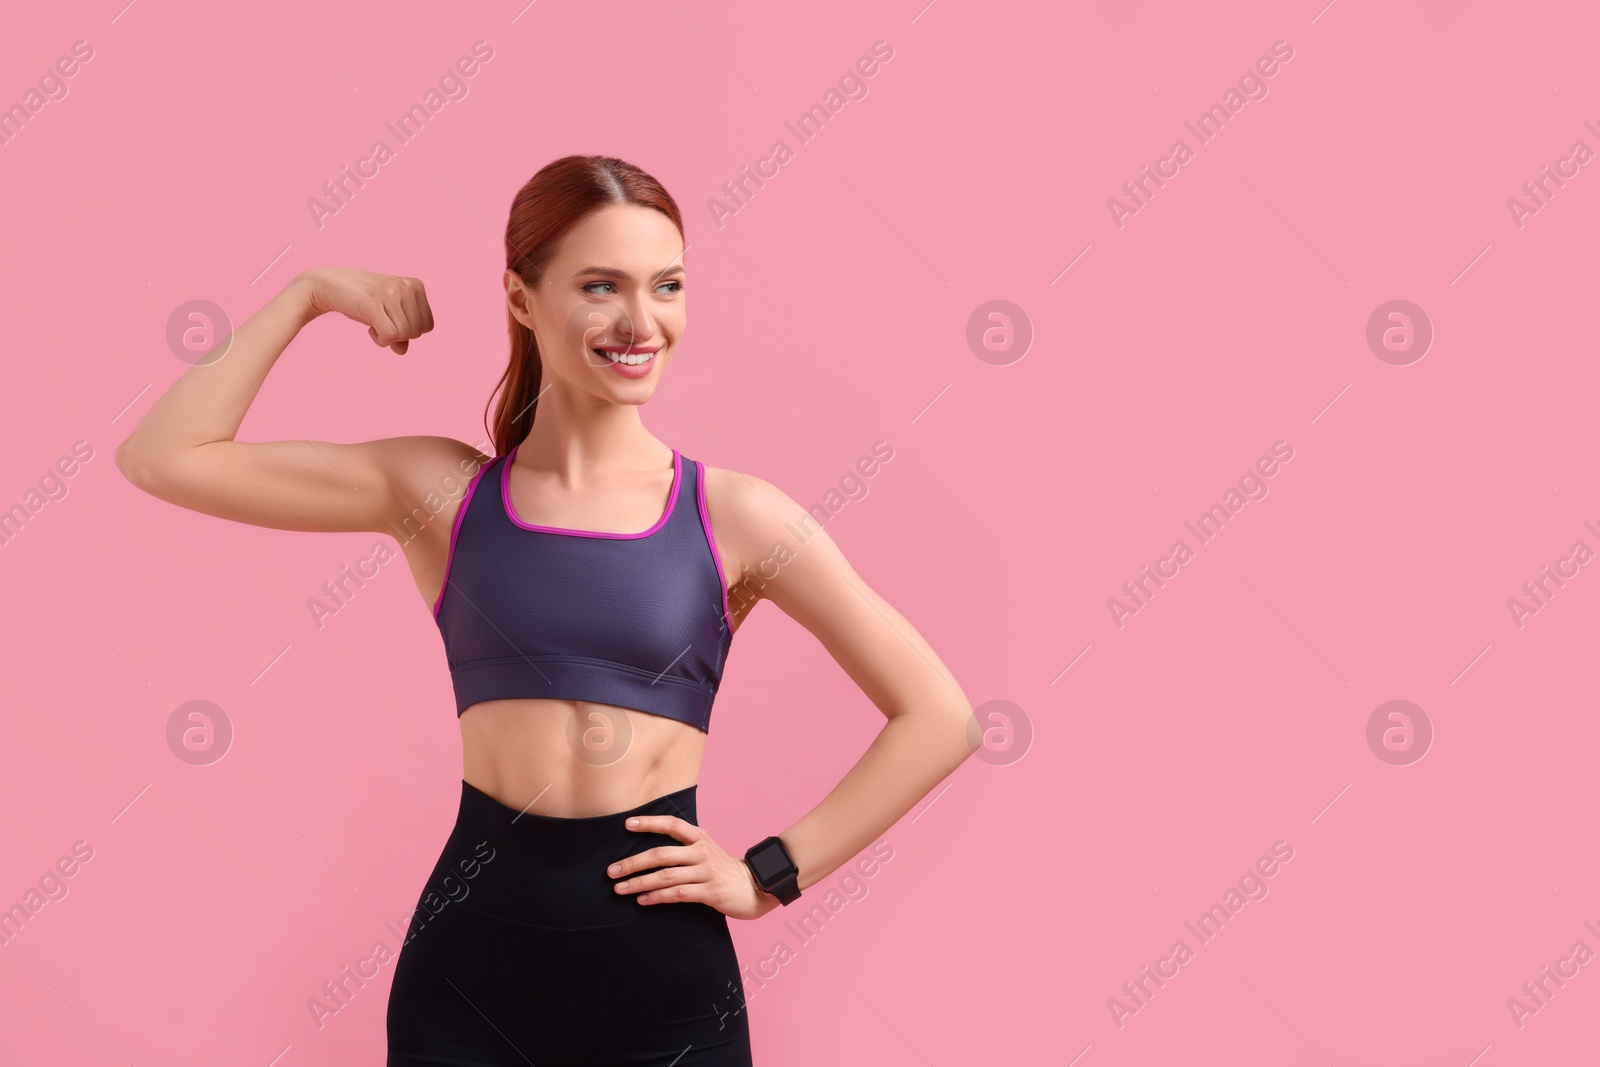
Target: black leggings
[(520, 951)]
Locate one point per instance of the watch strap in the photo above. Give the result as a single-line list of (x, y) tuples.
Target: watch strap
[(787, 889)]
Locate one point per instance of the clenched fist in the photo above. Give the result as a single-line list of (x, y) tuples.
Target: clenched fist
[(394, 308)]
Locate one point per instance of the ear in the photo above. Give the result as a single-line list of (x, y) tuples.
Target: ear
[(519, 298)]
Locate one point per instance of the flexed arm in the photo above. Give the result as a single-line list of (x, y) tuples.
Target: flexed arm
[(183, 450)]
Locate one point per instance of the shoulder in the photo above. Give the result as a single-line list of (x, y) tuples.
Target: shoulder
[(424, 468), (774, 548), (756, 524), (747, 505)]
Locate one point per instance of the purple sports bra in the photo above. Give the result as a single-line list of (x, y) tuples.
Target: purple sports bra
[(635, 620)]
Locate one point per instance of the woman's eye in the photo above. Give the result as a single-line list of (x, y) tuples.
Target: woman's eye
[(673, 288)]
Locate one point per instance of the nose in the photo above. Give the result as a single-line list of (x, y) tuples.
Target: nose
[(634, 321)]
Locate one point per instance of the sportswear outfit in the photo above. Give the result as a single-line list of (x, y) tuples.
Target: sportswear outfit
[(520, 950)]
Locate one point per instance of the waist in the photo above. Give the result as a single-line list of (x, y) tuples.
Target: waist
[(592, 757), (544, 870)]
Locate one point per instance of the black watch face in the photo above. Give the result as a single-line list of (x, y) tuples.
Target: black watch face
[(768, 862)]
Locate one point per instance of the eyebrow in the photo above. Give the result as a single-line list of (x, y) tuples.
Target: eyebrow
[(613, 272)]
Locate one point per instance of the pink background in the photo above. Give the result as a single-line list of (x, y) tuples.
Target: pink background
[(831, 312)]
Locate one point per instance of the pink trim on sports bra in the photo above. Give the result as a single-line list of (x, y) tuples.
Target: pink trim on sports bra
[(705, 524), (511, 512), (455, 531)]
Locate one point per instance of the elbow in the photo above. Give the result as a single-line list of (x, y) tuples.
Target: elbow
[(127, 462), (956, 733), (974, 737), (135, 467)]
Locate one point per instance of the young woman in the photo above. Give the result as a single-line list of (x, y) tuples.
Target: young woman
[(578, 911)]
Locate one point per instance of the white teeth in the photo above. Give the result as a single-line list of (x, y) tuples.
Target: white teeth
[(632, 360)]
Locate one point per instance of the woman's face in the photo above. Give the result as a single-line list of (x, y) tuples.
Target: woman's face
[(614, 289)]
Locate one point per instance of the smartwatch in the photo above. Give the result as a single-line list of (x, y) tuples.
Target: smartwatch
[(775, 871)]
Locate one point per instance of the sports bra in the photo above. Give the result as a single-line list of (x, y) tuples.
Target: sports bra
[(634, 620)]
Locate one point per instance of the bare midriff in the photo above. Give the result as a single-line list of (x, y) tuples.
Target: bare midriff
[(573, 759), (570, 759)]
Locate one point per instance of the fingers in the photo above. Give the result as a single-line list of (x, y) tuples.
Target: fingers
[(417, 307), (682, 829), (699, 870), (411, 316), (679, 893), (399, 313), (686, 870), (399, 316), (381, 327), (667, 884), (661, 856)]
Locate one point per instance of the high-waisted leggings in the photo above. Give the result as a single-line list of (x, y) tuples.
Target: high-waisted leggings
[(520, 951)]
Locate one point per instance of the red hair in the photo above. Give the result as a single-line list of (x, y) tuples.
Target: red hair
[(553, 201)]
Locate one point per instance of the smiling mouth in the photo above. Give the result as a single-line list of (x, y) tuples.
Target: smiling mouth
[(631, 358)]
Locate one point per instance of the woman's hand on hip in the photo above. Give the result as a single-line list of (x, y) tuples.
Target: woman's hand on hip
[(698, 869)]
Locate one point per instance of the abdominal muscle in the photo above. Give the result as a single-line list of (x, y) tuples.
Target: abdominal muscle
[(573, 759)]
